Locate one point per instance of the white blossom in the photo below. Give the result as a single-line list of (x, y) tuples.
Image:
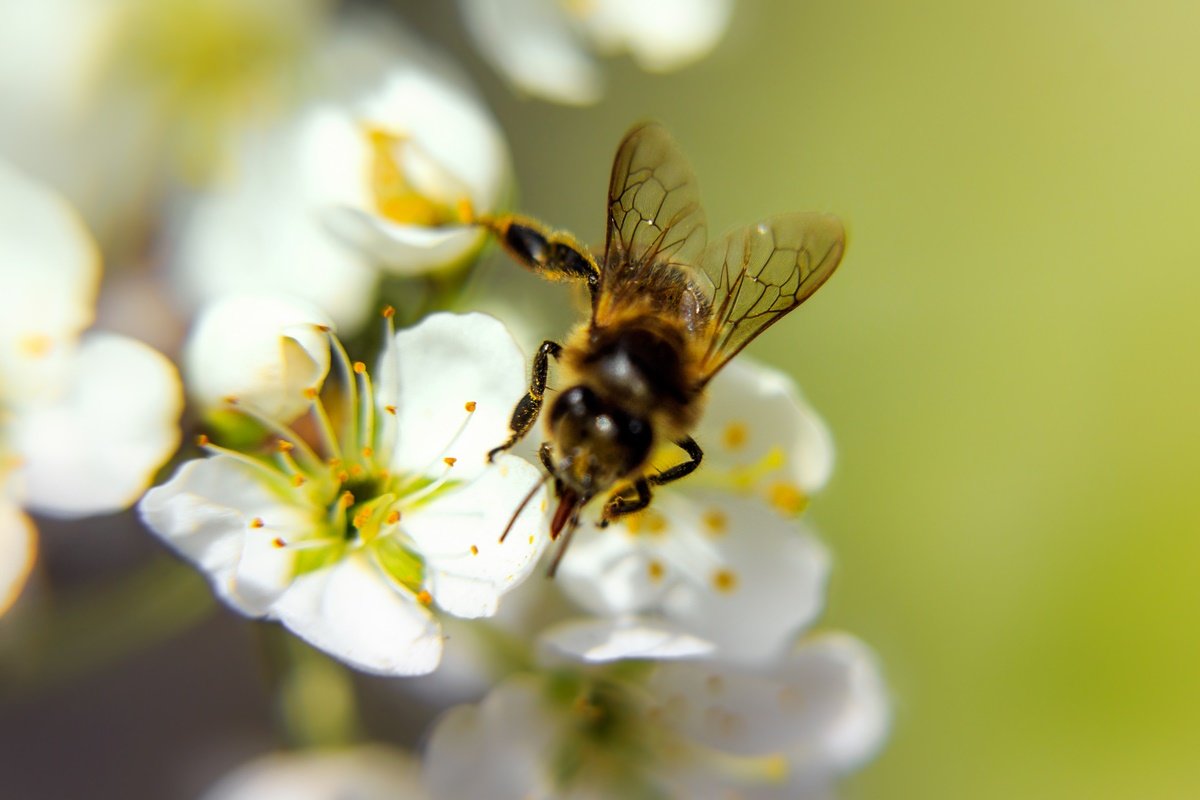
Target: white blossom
[(84, 422), (366, 772), (349, 189), (544, 46), (721, 553), (686, 728), (350, 538)]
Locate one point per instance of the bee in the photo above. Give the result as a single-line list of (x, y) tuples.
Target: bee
[(668, 310)]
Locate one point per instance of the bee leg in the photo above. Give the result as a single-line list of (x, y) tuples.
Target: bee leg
[(619, 505), (529, 406), (556, 256), (689, 446)]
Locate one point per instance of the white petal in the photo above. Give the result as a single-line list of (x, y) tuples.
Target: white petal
[(600, 640), (206, 512), (755, 412), (531, 42), (662, 35), (18, 549), (823, 707), (352, 612), (361, 773), (49, 272), (97, 448), (440, 366), (748, 584), (500, 749), (264, 350), (263, 234), (404, 249), (458, 535)]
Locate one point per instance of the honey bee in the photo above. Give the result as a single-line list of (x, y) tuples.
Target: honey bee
[(668, 310)]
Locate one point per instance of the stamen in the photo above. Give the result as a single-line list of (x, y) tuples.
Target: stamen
[(449, 461), (348, 375), (268, 471), (288, 438), (324, 426)]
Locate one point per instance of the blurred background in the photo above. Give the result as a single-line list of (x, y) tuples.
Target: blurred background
[(1007, 359)]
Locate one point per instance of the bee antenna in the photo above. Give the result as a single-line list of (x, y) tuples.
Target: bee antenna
[(521, 507), (566, 540)]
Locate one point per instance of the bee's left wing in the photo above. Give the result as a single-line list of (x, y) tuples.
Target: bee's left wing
[(761, 272)]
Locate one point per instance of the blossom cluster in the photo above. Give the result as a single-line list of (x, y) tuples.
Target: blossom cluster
[(342, 400)]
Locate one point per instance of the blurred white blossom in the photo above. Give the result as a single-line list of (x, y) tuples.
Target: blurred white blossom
[(544, 46), (348, 189), (84, 422), (688, 728), (721, 553), (366, 772), (113, 101), (349, 536)]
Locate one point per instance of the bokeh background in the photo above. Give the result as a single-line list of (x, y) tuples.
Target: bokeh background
[(1007, 358)]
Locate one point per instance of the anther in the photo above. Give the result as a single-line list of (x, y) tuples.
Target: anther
[(360, 367), (311, 393), (285, 446), (474, 550), (279, 542), (388, 312), (256, 522), (323, 328), (393, 517), (424, 597), (470, 406), (298, 480), (202, 440), (367, 452), (347, 499), (230, 400), (390, 409), (450, 461)]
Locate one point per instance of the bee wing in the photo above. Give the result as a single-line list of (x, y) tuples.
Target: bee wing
[(654, 213), (761, 272)]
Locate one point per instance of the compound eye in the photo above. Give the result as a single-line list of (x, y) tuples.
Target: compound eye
[(634, 438), (526, 243), (578, 402)]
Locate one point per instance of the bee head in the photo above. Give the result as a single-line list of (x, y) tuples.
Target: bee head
[(597, 442)]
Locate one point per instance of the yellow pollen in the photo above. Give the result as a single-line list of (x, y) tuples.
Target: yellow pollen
[(656, 570), (450, 461), (323, 328), (342, 476), (360, 367), (36, 345), (470, 406), (655, 522), (367, 452), (298, 480), (474, 550), (465, 210), (278, 542), (531, 538), (424, 597), (335, 462), (362, 518), (787, 498), (230, 401), (395, 198), (388, 312), (285, 446), (256, 522), (390, 409), (356, 470), (716, 522), (201, 440), (347, 499), (311, 392), (724, 580), (393, 517), (735, 435)]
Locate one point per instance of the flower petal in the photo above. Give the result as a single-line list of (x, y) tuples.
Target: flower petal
[(458, 535), (532, 44), (49, 273), (96, 449), (263, 350), (209, 513), (362, 773), (662, 35), (455, 379), (18, 549), (352, 612), (756, 416), (600, 640), (723, 567)]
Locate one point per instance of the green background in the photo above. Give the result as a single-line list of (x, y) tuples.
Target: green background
[(1007, 357)]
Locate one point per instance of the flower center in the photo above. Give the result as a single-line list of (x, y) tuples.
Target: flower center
[(397, 171)]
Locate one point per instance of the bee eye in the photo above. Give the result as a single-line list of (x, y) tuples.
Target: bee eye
[(526, 243)]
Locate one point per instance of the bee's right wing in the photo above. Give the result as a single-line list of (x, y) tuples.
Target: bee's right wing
[(654, 213), (761, 272)]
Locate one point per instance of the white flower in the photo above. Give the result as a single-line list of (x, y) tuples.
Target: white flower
[(84, 423), (112, 100), (542, 46), (366, 772), (350, 189), (263, 350), (347, 539), (673, 729), (720, 553)]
